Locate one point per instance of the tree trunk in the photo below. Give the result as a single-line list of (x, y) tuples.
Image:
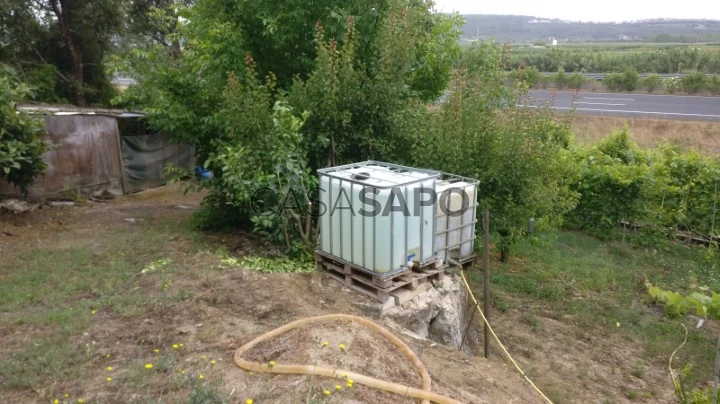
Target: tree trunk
[(175, 48), (62, 11), (504, 254)]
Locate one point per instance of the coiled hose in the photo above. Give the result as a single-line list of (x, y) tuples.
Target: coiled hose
[(425, 394)]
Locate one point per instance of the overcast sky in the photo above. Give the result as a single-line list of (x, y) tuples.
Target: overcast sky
[(578, 10)]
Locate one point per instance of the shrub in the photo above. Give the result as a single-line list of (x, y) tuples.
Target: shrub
[(262, 161), (652, 82), (530, 75), (520, 158), (610, 184), (561, 79), (630, 80), (544, 81), (672, 84), (21, 137), (660, 191), (613, 81), (43, 81), (694, 82), (713, 84), (576, 81), (626, 81)]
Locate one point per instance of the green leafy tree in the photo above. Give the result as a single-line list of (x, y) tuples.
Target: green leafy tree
[(261, 164), (350, 73), (21, 137), (520, 157), (182, 93), (73, 36)]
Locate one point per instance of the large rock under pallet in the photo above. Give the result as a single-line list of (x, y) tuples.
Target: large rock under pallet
[(440, 314)]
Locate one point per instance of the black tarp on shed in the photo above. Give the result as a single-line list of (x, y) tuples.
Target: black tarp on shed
[(145, 155)]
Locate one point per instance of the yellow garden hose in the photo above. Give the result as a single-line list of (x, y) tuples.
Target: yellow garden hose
[(424, 394), (500, 343)]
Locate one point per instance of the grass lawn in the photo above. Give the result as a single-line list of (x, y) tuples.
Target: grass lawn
[(598, 289)]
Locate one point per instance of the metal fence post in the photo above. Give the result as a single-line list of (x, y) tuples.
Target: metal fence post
[(486, 278)]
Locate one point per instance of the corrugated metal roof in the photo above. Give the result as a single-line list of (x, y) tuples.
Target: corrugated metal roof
[(46, 109)]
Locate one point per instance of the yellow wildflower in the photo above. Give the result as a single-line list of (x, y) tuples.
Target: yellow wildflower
[(156, 350), (326, 392), (338, 387), (176, 346), (350, 381), (80, 401), (148, 366), (349, 385), (342, 346), (66, 395), (249, 401), (181, 345), (271, 363), (92, 312), (325, 343), (213, 361), (204, 357), (108, 379), (56, 401), (201, 377), (107, 356), (109, 368)]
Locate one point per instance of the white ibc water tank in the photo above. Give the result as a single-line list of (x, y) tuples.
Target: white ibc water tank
[(455, 219), (369, 216)]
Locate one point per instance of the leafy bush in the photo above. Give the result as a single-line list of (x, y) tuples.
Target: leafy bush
[(576, 81), (561, 79), (659, 191), (672, 84), (530, 75), (694, 82), (43, 81), (262, 161), (356, 116), (713, 84), (613, 81), (630, 80), (626, 81), (610, 185), (21, 137), (652, 82), (520, 157)]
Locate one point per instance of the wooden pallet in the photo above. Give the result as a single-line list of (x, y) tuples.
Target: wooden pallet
[(389, 290)]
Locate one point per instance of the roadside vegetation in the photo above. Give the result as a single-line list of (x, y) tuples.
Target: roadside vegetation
[(611, 59), (621, 67)]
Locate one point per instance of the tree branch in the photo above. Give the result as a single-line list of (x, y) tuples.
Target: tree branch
[(45, 61)]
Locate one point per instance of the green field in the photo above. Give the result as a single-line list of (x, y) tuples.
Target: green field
[(618, 57)]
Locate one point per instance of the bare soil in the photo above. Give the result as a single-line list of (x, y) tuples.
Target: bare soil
[(701, 136)]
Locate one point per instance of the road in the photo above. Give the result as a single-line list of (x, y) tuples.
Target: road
[(635, 105)]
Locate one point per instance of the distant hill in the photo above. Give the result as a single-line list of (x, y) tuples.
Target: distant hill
[(528, 28)]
